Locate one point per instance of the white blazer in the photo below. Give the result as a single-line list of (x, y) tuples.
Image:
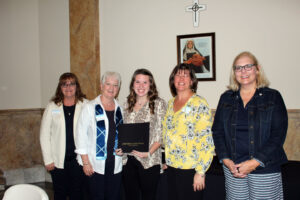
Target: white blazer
[(53, 133)]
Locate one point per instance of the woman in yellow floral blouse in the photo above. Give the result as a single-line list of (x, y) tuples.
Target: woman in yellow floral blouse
[(187, 136)]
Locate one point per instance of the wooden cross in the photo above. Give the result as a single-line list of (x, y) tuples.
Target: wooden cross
[(195, 8)]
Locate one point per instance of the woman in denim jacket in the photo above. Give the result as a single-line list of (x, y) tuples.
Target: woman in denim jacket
[(249, 131)]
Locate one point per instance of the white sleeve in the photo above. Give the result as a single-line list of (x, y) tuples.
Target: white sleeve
[(45, 135), (82, 128)]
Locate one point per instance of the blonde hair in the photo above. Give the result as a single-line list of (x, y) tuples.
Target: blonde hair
[(261, 79)]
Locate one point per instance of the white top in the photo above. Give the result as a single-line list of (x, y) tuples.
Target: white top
[(86, 132)]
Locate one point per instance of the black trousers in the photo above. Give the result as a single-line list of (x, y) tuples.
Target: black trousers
[(180, 184), (140, 183), (107, 186), (68, 182)]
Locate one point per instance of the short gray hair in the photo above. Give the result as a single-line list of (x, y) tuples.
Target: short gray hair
[(116, 75)]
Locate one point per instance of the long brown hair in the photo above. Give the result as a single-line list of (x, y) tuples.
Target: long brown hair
[(59, 96), (152, 93)]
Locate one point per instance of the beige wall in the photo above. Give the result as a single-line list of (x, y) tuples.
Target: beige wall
[(54, 45), (34, 48), (142, 33), (34, 51), (19, 54)]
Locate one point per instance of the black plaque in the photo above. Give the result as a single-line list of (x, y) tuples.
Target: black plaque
[(134, 137)]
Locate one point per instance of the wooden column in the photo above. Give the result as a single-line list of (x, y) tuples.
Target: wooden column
[(85, 45)]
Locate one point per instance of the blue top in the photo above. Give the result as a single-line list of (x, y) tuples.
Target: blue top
[(242, 135)]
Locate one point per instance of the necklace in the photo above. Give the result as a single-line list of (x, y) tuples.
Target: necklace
[(69, 110), (141, 103), (141, 100)]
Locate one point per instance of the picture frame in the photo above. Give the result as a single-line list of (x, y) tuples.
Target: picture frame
[(199, 51)]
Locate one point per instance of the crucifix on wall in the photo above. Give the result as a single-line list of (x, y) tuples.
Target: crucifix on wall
[(196, 8)]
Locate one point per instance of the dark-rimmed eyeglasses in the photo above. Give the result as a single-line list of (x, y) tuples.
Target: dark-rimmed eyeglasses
[(247, 67), (65, 85)]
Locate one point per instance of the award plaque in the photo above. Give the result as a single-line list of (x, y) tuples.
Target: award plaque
[(134, 137)]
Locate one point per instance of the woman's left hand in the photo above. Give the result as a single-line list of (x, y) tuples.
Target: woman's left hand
[(119, 152), (140, 154), (199, 182)]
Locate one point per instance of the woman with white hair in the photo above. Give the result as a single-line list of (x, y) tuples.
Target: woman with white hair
[(97, 140)]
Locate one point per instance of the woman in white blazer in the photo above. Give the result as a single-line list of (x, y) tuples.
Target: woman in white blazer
[(57, 138), (97, 140)]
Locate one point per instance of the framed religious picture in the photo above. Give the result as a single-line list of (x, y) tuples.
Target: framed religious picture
[(199, 51)]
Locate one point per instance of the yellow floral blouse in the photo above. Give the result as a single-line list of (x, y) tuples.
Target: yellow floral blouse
[(187, 135)]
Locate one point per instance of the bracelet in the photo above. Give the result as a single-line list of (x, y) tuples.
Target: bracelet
[(149, 154), (202, 175)]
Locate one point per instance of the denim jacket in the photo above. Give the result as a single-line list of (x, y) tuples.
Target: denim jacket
[(267, 125)]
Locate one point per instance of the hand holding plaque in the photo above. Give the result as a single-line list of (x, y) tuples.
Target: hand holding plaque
[(134, 137)]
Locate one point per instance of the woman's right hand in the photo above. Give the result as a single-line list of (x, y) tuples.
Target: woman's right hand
[(50, 167), (86, 165), (88, 169), (230, 165)]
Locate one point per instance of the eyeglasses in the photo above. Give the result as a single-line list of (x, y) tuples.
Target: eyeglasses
[(247, 67), (65, 85), (184, 75)]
